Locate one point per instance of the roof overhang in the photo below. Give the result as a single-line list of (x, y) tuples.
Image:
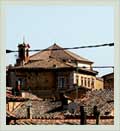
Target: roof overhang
[(77, 69)]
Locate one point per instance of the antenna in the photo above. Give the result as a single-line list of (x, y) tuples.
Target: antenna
[(23, 39)]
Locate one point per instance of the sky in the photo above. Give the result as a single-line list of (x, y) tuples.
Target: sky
[(68, 26)]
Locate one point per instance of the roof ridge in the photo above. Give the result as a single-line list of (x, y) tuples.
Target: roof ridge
[(68, 54), (44, 49)]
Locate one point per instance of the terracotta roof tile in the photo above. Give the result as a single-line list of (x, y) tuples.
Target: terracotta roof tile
[(60, 53), (11, 97), (51, 58), (47, 64)]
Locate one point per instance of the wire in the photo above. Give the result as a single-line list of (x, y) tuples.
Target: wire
[(90, 46), (102, 66), (97, 67)]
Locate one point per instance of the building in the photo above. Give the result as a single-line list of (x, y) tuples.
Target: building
[(50, 72), (108, 81), (99, 83)]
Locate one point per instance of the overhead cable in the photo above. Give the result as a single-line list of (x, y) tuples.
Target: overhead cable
[(80, 47)]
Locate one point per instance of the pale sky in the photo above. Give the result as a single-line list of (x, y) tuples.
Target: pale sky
[(68, 26)]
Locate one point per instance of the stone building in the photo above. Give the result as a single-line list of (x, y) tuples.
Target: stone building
[(50, 72), (108, 81)]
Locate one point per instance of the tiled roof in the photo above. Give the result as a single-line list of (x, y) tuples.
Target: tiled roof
[(52, 63), (79, 58), (47, 63), (42, 108), (11, 97), (39, 108), (58, 52), (99, 98), (107, 75), (54, 57)]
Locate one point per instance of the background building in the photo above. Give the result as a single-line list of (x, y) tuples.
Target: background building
[(108, 81)]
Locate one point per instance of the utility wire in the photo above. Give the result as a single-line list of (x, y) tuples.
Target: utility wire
[(99, 67), (102, 66), (90, 46)]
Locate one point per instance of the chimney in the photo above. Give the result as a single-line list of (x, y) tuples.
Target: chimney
[(23, 54), (27, 53), (29, 111)]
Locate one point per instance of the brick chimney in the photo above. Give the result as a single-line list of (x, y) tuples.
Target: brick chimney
[(23, 54)]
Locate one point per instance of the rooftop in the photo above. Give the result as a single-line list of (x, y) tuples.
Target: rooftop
[(57, 52)]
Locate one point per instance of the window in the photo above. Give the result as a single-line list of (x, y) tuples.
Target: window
[(92, 83), (81, 81), (88, 82), (85, 81), (61, 82)]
